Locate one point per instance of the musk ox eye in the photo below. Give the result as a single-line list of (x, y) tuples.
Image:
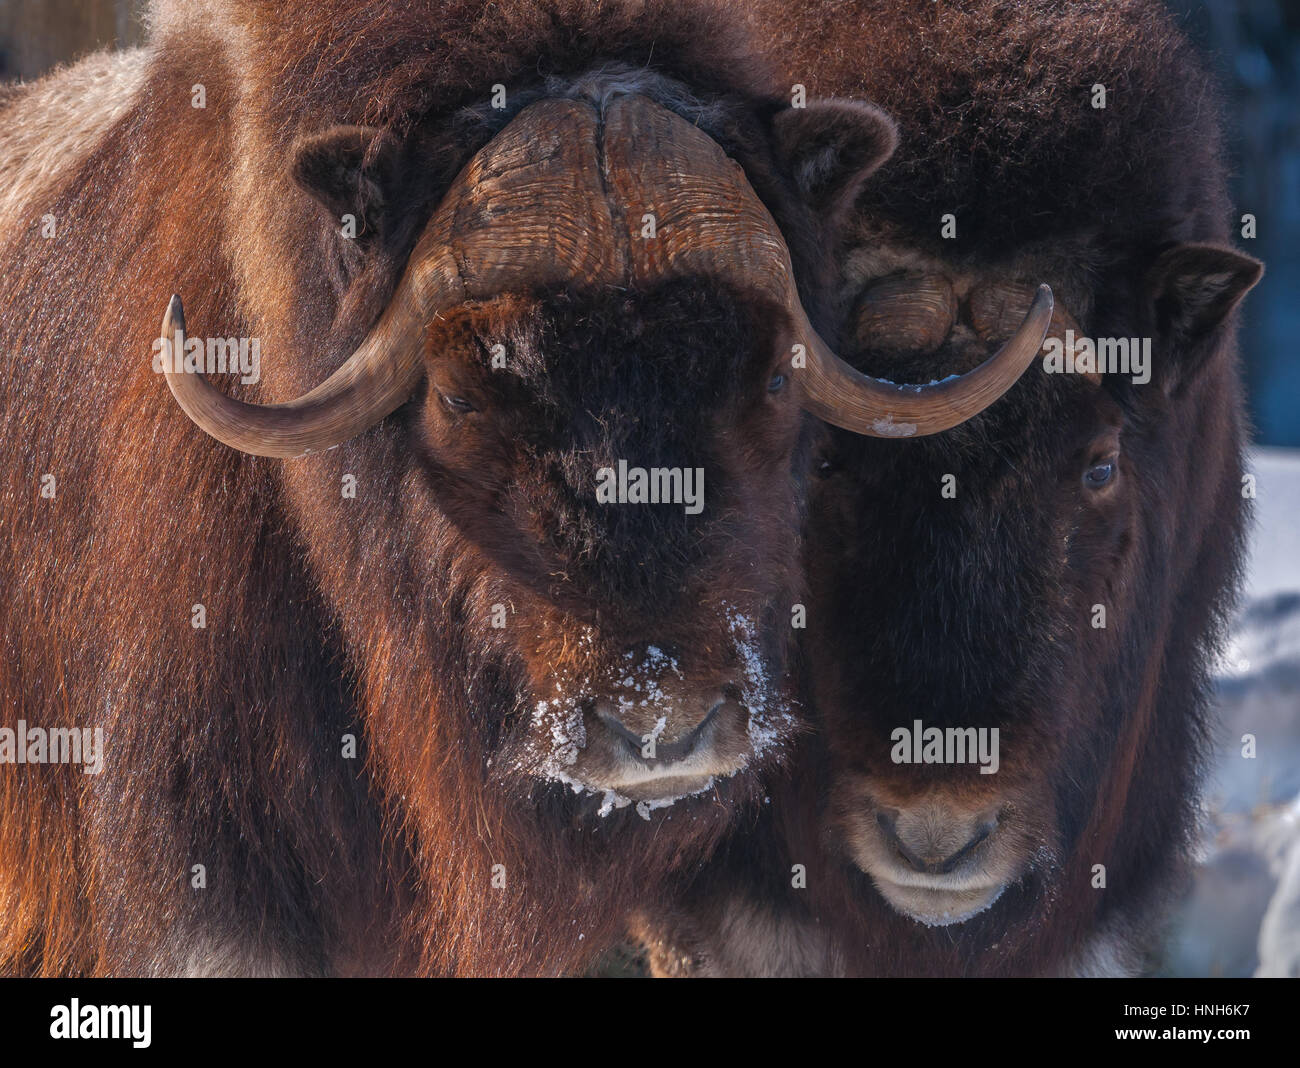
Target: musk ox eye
[(776, 383), (456, 404), (1100, 474)]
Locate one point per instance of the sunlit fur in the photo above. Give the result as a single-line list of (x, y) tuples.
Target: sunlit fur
[(326, 616)]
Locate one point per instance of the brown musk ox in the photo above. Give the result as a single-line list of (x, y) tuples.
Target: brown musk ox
[(385, 685), (1011, 625)]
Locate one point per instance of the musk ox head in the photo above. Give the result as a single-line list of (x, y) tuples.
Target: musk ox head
[(1054, 570), (602, 364), (966, 601)]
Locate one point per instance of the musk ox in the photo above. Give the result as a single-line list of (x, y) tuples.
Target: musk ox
[(386, 685), (1009, 661)]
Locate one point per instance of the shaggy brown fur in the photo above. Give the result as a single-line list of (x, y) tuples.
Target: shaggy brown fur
[(326, 617), (976, 611), (993, 104)]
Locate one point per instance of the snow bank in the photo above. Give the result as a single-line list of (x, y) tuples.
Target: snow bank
[(1242, 914)]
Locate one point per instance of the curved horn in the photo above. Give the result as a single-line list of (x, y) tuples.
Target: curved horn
[(714, 223), (500, 219), (906, 314), (375, 380), (846, 398), (994, 308), (459, 257)]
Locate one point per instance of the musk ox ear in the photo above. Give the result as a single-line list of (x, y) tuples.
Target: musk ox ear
[(1193, 289), (350, 171), (831, 147)]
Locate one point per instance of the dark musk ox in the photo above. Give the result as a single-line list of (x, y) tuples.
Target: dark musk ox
[(384, 686), (1056, 569)]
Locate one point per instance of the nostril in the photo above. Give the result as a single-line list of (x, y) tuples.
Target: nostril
[(965, 851), (615, 725), (887, 819), (665, 751)]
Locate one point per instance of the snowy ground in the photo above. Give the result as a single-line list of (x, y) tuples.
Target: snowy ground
[(1242, 915)]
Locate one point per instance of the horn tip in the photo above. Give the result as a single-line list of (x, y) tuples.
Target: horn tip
[(176, 312)]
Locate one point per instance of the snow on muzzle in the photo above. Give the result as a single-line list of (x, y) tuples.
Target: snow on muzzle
[(652, 733)]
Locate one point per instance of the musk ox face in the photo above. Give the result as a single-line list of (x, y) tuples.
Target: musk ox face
[(646, 639), (974, 690), (601, 312)]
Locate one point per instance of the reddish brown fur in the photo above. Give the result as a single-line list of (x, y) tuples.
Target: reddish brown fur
[(223, 742)]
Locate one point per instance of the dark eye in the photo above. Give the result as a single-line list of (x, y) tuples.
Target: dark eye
[(778, 380), (1100, 474), (456, 404)]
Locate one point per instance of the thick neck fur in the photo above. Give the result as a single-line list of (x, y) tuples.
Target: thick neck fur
[(224, 742)]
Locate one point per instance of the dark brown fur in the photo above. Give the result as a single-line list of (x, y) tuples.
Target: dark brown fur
[(975, 611)]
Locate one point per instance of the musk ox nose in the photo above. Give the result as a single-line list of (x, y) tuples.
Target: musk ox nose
[(660, 741), (943, 856), (663, 749), (935, 841)]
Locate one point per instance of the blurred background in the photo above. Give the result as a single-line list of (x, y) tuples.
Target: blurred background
[(1242, 914)]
